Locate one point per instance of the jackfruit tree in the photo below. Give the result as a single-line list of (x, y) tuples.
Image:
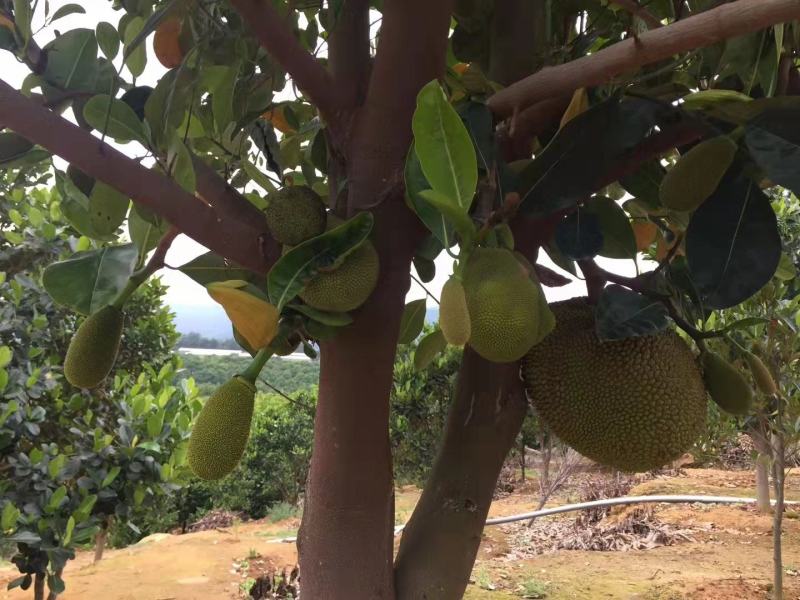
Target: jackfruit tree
[(327, 152)]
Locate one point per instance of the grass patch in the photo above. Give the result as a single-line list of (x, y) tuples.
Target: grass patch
[(281, 511)]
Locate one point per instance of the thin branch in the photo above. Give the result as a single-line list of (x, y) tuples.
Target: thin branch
[(636, 10), (427, 291), (277, 38), (230, 238), (698, 31)]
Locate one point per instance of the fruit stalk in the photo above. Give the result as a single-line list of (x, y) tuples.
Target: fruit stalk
[(154, 264)]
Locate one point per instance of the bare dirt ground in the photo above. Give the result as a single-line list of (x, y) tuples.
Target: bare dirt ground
[(729, 557)]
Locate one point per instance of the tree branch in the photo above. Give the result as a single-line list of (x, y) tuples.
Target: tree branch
[(698, 31), (411, 53), (231, 238), (277, 38), (636, 10), (348, 50)]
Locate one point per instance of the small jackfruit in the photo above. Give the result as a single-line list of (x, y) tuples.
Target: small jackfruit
[(295, 214), (697, 174), (347, 287), (761, 374), (93, 349), (453, 314), (507, 311), (633, 404), (220, 433), (726, 385)]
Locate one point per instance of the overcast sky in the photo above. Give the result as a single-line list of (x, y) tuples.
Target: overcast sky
[(182, 290)]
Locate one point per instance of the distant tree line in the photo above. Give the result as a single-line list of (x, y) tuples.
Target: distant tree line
[(195, 340)]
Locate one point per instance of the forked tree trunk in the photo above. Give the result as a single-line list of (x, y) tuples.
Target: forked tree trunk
[(345, 540), (441, 540)]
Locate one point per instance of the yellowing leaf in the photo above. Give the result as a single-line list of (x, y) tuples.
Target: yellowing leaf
[(578, 105), (254, 318)]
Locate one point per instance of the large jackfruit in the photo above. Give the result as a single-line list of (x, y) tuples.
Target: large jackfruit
[(507, 311), (726, 385), (633, 404), (347, 287), (453, 314), (220, 433), (295, 214), (697, 174), (93, 349)]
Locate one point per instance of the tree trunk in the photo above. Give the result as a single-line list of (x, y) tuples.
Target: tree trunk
[(345, 540), (762, 484), (441, 540), (38, 586), (100, 543), (778, 473)]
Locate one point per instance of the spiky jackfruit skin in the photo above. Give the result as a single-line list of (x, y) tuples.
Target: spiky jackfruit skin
[(503, 305), (348, 287), (295, 214), (220, 433), (697, 174), (453, 314), (726, 385), (634, 404), (93, 349)]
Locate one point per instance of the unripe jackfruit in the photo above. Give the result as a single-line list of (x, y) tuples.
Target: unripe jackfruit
[(761, 374), (93, 349), (347, 287), (697, 174), (507, 311), (453, 314), (220, 433), (726, 385), (295, 214), (633, 404)]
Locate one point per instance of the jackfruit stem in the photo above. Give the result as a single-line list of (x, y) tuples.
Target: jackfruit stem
[(154, 264), (252, 372)]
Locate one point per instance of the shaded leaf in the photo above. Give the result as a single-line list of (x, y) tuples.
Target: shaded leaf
[(619, 240), (107, 39), (622, 313), (579, 236), (452, 212), (123, 124), (412, 322), (210, 267), (72, 61), (428, 348), (733, 246), (773, 139), (416, 183), (135, 55)]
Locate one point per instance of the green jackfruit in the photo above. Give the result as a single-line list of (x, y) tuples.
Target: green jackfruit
[(633, 404), (697, 174), (453, 314), (761, 375), (726, 385), (347, 287), (93, 349), (507, 311), (295, 214), (220, 433)]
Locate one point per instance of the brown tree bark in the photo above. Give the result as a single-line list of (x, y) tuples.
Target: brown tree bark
[(38, 586), (441, 540)]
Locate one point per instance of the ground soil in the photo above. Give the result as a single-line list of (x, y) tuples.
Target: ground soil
[(729, 559)]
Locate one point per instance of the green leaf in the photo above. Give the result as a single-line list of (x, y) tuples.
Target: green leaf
[(453, 213), (55, 584), (110, 477), (786, 270), (180, 160), (444, 147), (9, 516), (72, 61), (773, 139), (107, 208), (210, 268), (733, 246), (621, 314), (135, 55), (297, 267), (55, 466), (433, 219), (123, 124), (619, 240), (90, 280), (222, 99), (24, 582), (429, 347), (66, 10), (107, 39), (333, 319), (68, 532), (5, 356), (56, 499), (155, 423), (85, 508), (12, 147), (164, 11), (24, 537), (145, 234), (412, 322)]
